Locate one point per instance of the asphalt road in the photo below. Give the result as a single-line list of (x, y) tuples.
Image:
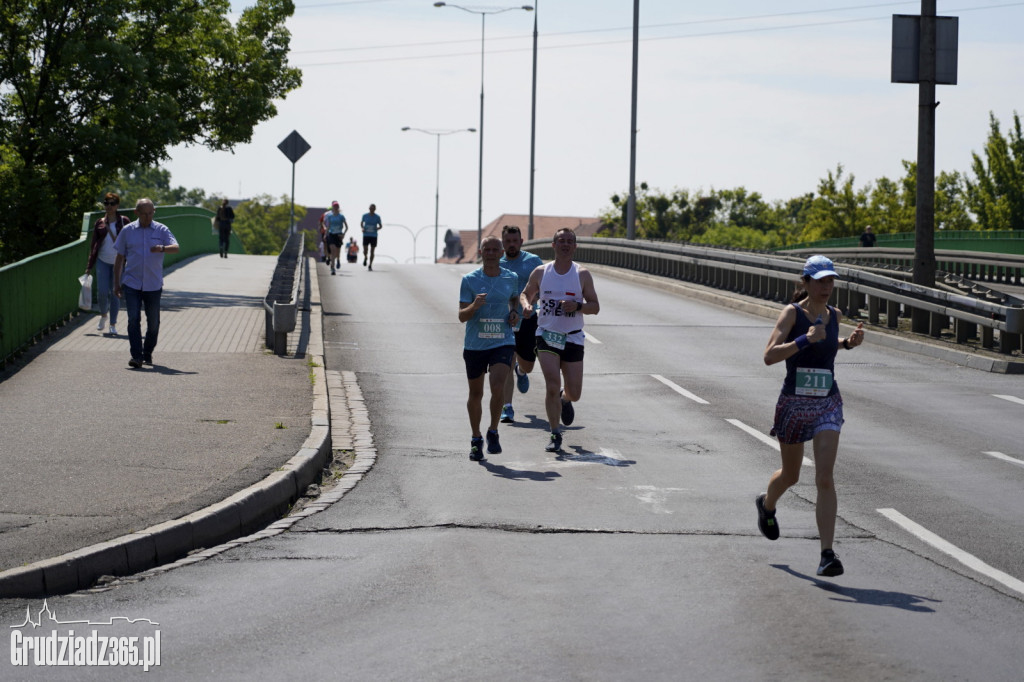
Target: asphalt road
[(633, 556)]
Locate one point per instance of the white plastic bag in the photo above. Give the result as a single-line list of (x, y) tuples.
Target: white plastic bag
[(85, 297)]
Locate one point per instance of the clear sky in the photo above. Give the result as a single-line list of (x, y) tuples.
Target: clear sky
[(767, 96)]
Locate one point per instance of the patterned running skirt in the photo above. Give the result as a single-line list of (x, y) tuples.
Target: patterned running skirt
[(798, 418)]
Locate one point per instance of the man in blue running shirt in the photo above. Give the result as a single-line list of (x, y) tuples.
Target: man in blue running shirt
[(371, 225), (336, 226), (522, 263), (487, 306)]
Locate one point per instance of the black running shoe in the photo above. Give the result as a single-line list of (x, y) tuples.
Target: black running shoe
[(830, 565), (135, 362), (568, 411), (476, 449), (493, 446), (555, 443), (766, 522)]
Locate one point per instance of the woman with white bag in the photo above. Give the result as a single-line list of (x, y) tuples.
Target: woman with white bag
[(102, 255)]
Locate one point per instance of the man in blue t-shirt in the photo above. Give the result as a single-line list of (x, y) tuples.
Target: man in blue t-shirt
[(522, 263), (336, 226), (371, 225), (487, 306)]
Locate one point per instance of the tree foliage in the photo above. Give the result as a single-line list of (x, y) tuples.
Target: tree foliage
[(263, 226), (154, 183), (996, 195), (992, 200), (87, 88)]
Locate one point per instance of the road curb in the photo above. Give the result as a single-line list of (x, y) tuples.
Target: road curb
[(246, 511), (964, 358)]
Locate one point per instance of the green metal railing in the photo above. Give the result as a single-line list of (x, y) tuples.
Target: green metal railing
[(40, 293)]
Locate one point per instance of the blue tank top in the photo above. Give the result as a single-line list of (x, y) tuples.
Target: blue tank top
[(821, 355)]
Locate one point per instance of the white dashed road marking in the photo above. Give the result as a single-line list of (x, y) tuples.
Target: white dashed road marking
[(1005, 458), (680, 390), (589, 337), (1011, 398), (963, 557), (766, 439)]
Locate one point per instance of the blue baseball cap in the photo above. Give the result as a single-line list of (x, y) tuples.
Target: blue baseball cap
[(817, 267)]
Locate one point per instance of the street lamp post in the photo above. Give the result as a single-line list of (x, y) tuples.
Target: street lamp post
[(480, 185), (437, 182), (415, 235)]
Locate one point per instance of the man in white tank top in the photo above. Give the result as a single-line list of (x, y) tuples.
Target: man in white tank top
[(565, 293)]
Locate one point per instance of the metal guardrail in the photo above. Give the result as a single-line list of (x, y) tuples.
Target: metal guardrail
[(282, 301), (990, 267), (772, 277)]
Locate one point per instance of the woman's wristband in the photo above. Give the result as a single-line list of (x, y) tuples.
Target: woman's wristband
[(801, 342), (846, 344)]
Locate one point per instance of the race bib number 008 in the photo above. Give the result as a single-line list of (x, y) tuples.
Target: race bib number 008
[(492, 328), (813, 382)]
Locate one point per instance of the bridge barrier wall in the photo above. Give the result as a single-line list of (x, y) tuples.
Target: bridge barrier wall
[(861, 292)]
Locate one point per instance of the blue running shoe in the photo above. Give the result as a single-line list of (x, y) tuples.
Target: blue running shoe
[(568, 411), (476, 449), (493, 446), (522, 380), (508, 415)]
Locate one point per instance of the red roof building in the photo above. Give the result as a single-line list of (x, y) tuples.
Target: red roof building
[(461, 247)]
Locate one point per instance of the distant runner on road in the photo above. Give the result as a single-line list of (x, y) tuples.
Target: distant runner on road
[(371, 224)]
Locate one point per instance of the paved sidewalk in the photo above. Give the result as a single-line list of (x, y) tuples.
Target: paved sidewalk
[(93, 450)]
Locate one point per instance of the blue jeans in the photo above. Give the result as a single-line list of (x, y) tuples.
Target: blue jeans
[(135, 301), (105, 290)]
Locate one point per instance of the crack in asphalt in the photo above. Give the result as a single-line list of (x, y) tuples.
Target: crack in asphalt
[(533, 530)]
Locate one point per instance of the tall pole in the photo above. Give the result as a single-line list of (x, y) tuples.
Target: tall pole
[(924, 223), (483, 30), (631, 203), (533, 120), (480, 175), (437, 199), (437, 172), (291, 229)]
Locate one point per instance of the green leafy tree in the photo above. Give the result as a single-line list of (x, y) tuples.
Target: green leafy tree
[(87, 86), (154, 183), (891, 204), (838, 210), (263, 226), (951, 208), (996, 195)]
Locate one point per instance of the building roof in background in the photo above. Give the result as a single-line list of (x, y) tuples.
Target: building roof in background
[(544, 227)]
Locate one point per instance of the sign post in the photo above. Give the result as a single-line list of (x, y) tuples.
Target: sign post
[(293, 147), (924, 51)]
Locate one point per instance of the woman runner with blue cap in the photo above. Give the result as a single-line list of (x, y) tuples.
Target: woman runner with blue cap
[(810, 407)]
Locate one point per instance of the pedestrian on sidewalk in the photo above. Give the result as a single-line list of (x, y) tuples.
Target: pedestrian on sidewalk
[(810, 407), (487, 306), (102, 255), (139, 277), (564, 291), (522, 263), (225, 216), (371, 224)]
